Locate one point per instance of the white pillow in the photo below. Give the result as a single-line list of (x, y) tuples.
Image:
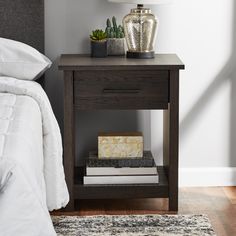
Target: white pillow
[(21, 61)]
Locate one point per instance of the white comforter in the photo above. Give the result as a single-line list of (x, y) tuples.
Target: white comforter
[(31, 172)]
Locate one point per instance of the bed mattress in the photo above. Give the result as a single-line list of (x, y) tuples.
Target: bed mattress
[(21, 139), (31, 171), (21, 148)]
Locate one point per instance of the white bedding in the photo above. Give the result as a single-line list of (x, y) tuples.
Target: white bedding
[(31, 172)]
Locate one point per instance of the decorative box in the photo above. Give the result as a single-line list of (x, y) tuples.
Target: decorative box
[(120, 145)]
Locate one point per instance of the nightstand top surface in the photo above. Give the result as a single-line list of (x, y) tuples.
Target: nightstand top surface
[(84, 62)]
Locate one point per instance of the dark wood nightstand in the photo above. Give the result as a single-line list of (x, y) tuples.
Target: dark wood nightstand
[(121, 83)]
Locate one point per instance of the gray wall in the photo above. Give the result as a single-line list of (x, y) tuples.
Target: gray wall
[(202, 33)]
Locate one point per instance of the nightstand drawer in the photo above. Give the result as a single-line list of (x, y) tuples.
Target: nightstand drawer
[(121, 89)]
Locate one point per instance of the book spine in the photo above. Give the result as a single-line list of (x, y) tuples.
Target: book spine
[(153, 179), (121, 171)]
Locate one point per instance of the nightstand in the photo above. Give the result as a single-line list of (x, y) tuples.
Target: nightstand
[(121, 83)]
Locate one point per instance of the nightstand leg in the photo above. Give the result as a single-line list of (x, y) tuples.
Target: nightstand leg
[(69, 145), (171, 139)]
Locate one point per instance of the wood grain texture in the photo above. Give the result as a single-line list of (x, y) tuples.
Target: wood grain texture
[(171, 139), (230, 192), (121, 83), (85, 62), (121, 89), (213, 202), (69, 136), (118, 103)]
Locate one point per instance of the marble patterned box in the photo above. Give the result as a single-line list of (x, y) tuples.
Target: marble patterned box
[(120, 145)]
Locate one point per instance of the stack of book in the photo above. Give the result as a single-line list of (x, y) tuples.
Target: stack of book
[(121, 171)]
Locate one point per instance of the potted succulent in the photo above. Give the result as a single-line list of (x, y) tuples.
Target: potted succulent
[(115, 38), (98, 43)]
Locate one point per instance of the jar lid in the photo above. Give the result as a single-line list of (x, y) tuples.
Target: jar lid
[(141, 10)]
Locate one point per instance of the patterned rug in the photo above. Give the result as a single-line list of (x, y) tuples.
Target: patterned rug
[(133, 225)]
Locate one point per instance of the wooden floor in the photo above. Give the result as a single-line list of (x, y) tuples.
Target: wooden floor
[(219, 203)]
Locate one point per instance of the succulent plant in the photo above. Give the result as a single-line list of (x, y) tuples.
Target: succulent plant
[(98, 35), (114, 31)]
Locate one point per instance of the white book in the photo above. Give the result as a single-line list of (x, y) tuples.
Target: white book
[(121, 171), (145, 179)]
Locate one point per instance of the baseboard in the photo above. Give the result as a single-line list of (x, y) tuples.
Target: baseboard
[(215, 176)]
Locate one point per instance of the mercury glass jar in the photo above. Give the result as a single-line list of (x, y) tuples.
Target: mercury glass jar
[(140, 28)]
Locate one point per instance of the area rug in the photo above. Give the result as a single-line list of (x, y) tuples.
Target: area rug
[(133, 225)]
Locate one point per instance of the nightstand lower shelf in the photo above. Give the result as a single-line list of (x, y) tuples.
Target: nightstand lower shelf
[(120, 191)]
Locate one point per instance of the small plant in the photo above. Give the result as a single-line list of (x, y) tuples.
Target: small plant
[(114, 31), (98, 35), (98, 43)]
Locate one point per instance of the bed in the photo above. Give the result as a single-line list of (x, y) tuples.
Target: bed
[(32, 178)]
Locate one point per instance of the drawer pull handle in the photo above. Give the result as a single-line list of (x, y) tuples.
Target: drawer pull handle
[(112, 91)]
